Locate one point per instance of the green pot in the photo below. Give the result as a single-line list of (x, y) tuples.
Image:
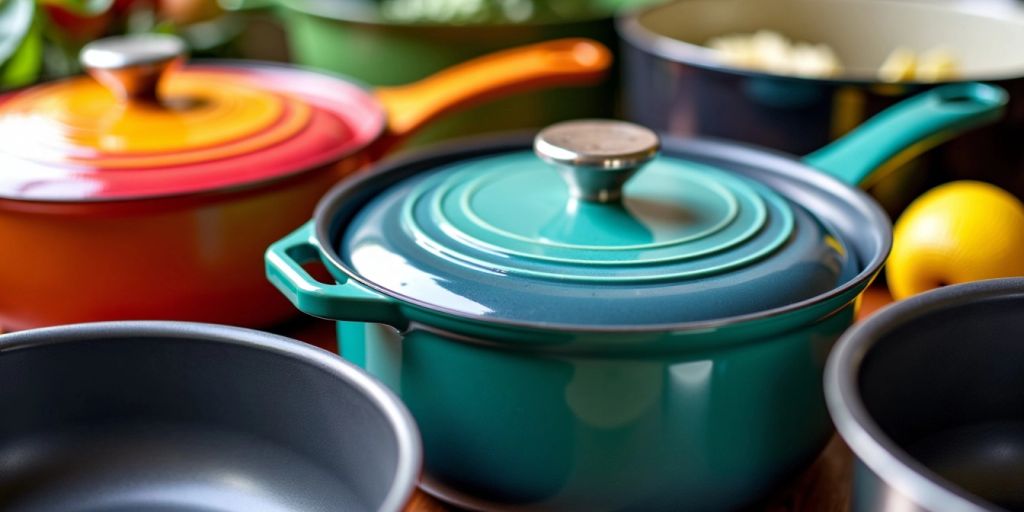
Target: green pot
[(601, 344), (385, 54)]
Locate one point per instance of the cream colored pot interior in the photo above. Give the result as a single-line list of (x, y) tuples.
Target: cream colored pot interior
[(862, 32)]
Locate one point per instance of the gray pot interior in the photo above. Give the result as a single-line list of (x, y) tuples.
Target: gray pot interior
[(937, 385), (862, 32), (185, 418)]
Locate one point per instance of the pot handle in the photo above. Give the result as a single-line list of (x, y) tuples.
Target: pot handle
[(907, 129), (573, 61), (349, 300)]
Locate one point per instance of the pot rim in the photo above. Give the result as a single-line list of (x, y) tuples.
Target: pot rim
[(242, 186), (359, 17), (631, 30), (327, 208), (410, 458), (863, 435)]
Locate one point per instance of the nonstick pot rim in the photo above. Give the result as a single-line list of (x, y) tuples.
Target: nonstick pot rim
[(402, 424), (863, 435), (352, 193)]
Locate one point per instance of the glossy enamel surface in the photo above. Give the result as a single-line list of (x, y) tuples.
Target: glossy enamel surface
[(429, 239), (228, 125), (216, 126), (706, 416), (499, 238), (928, 395), (701, 430), (703, 414), (222, 180), (68, 262)]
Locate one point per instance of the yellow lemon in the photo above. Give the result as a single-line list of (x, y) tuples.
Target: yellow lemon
[(958, 232)]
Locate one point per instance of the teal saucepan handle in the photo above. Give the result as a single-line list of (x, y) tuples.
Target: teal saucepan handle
[(908, 128), (349, 300)]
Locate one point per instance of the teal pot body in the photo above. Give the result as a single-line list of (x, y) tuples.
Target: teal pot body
[(698, 420), (384, 54), (697, 430), (709, 416), (522, 414)]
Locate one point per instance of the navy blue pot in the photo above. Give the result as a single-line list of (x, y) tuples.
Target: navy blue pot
[(674, 85)]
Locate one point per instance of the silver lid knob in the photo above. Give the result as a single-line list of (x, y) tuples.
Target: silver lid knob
[(132, 66), (595, 156)]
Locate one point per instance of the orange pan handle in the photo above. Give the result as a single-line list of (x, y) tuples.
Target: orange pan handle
[(574, 61)]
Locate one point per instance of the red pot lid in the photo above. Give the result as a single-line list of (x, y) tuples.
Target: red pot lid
[(117, 135)]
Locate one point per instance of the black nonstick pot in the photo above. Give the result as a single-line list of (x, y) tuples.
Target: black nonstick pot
[(181, 417), (929, 395)]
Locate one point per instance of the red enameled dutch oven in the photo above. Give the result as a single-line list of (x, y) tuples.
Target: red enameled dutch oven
[(152, 189)]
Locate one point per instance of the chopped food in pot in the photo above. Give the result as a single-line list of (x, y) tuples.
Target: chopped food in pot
[(771, 52), (934, 65)]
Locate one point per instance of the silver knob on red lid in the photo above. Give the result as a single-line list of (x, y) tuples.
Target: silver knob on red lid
[(597, 156), (131, 66)]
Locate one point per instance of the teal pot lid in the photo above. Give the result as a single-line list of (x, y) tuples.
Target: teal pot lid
[(592, 227)]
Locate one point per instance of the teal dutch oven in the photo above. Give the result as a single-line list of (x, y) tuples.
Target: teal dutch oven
[(591, 325)]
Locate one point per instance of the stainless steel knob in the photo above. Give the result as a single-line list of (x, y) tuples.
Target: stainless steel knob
[(132, 66), (595, 156)]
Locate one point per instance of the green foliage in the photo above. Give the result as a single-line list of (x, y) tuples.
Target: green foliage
[(22, 68), (16, 23), (41, 39)]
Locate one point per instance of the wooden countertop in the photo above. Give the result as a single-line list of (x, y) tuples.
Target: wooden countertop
[(824, 487)]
